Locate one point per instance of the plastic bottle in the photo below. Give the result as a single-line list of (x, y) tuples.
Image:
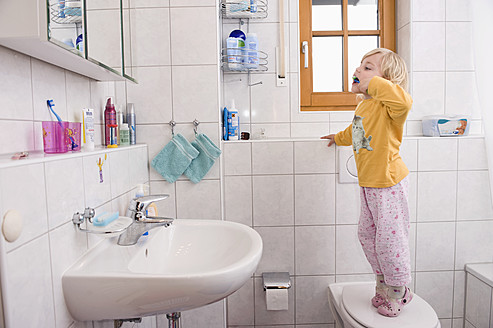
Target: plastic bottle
[(124, 135), (233, 123), (253, 6), (235, 44), (88, 128), (119, 121), (131, 123), (251, 51), (109, 120)]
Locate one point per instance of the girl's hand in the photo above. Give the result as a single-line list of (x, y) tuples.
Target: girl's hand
[(329, 137), (363, 85)]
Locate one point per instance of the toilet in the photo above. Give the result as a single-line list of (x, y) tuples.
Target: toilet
[(351, 308)]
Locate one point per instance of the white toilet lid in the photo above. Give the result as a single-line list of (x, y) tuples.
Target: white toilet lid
[(357, 302)]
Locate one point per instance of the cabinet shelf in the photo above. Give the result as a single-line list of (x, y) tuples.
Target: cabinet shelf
[(241, 9)]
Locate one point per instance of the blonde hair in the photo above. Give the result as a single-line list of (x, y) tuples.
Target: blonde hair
[(392, 66)]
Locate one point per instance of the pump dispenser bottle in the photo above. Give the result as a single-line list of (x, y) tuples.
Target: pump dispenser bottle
[(109, 122)]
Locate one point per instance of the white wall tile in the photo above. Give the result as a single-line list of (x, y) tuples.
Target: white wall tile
[(16, 136), (314, 157), (436, 193), (435, 246), (461, 94), (428, 46), (459, 47), (241, 305), (278, 251), (437, 289), (22, 284), (238, 199), (273, 200), (347, 203), (428, 94), (403, 13), (205, 197), (315, 199), (312, 301), (97, 182), (152, 96), (473, 195), (78, 96), (156, 137), (424, 10), (409, 153), (209, 316), (272, 158), (184, 36), (150, 37), (138, 166), (270, 104), (48, 82), (64, 190), (149, 3), (350, 257), (436, 154), (474, 243), (192, 3), (120, 173), (237, 158), (15, 85), (472, 154), (459, 293), (203, 106), (458, 10), (66, 246), (404, 48), (315, 250), (235, 88), (309, 130), (24, 191), (270, 131)]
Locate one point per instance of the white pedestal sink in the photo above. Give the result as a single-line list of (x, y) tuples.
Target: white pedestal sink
[(187, 265)]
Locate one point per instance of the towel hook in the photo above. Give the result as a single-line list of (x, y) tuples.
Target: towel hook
[(196, 125), (172, 124)]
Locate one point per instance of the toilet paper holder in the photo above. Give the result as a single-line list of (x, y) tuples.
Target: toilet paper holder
[(276, 280)]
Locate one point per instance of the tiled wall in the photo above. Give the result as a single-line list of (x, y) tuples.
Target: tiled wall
[(46, 192), (289, 192)]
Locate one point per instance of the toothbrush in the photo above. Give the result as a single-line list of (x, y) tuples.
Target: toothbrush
[(51, 104), (355, 79)]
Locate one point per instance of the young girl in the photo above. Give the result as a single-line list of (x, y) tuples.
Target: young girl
[(376, 134)]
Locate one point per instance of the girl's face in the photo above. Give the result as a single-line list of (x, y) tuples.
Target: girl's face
[(370, 67)]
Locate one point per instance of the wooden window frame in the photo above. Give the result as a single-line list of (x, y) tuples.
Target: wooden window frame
[(338, 101)]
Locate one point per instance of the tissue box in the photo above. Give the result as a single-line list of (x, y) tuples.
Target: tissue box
[(444, 126)]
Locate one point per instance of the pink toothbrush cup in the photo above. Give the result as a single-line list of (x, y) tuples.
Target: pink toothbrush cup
[(73, 135), (55, 137)]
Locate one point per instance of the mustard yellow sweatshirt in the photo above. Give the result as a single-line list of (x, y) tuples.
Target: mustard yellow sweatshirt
[(376, 134)]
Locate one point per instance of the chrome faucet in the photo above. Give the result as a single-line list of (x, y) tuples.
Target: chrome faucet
[(137, 210)]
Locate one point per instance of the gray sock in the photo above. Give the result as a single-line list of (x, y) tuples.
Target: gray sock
[(396, 292), (380, 281)]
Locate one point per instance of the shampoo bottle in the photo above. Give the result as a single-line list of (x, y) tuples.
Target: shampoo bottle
[(233, 123), (88, 128), (109, 121)]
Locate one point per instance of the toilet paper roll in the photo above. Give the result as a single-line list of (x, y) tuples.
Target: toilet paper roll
[(276, 299)]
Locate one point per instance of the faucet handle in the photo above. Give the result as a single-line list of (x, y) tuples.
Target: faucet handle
[(141, 203)]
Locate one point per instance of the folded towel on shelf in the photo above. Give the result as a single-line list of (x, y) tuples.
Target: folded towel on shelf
[(174, 158), (208, 152)]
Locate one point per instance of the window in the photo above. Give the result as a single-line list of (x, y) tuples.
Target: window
[(335, 34)]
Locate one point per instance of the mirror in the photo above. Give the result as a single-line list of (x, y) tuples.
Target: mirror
[(104, 33), (65, 27)]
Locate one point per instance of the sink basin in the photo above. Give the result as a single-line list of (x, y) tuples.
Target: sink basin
[(186, 265)]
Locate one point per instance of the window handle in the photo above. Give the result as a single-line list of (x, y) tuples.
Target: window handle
[(304, 49)]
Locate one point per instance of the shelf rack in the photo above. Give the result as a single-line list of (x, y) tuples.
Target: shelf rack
[(241, 9)]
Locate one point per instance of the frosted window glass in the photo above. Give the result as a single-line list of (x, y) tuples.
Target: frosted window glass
[(358, 46), (363, 15), (326, 15), (327, 64)]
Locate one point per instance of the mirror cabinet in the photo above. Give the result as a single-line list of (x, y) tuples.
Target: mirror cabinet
[(89, 37)]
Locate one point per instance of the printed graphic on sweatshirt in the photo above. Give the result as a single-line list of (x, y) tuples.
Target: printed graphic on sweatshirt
[(359, 139)]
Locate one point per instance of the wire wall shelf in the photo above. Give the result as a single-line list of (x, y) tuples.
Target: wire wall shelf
[(243, 9), (66, 12), (236, 60)]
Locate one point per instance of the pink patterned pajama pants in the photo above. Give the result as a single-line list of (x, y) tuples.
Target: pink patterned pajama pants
[(383, 231)]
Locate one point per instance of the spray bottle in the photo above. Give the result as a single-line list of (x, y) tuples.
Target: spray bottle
[(131, 123), (109, 122)]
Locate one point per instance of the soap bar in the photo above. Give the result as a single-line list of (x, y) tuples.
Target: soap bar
[(105, 218), (443, 125)]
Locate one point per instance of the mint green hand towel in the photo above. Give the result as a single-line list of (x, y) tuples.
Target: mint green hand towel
[(174, 158), (208, 152)]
